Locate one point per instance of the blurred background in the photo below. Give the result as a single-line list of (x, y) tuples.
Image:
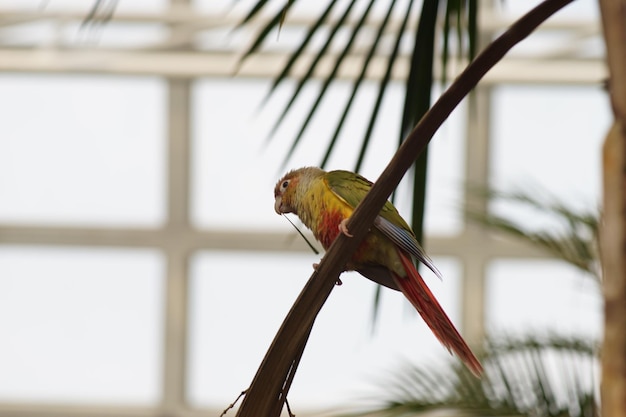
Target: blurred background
[(143, 270)]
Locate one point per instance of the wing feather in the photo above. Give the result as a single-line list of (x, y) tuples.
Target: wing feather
[(351, 188), (406, 241)]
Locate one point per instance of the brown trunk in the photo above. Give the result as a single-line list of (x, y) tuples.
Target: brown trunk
[(613, 240), (613, 257)]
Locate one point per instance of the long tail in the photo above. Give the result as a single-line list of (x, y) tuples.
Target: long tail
[(414, 288)]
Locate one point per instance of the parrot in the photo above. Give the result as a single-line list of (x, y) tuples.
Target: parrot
[(325, 200)]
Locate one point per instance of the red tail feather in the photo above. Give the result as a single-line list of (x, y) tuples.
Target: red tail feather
[(414, 288)]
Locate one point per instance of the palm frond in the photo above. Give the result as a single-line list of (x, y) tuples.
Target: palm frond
[(472, 27), (420, 83), (460, 18), (452, 6), (263, 33), (575, 242), (298, 52), (279, 18), (549, 377), (420, 175), (101, 12), (309, 73), (254, 10), (381, 87), (329, 79)]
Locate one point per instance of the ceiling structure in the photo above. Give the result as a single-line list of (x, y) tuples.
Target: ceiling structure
[(183, 42)]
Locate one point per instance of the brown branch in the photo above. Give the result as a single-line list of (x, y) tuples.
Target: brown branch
[(266, 395), (232, 405)]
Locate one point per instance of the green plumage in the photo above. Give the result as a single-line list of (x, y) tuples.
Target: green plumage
[(351, 188), (325, 200)]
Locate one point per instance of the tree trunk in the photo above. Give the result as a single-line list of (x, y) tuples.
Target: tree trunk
[(613, 239), (613, 256)]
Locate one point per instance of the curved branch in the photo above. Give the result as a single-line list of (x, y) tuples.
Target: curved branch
[(266, 394)]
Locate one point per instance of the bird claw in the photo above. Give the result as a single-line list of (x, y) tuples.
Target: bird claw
[(343, 228), (316, 265)]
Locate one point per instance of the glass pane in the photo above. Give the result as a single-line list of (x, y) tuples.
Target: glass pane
[(239, 300), (80, 325), (542, 297), (547, 141), (82, 150), (234, 160)]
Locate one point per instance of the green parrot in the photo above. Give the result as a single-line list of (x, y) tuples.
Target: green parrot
[(325, 200)]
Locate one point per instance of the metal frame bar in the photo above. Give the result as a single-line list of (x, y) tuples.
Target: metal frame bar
[(181, 54), (176, 323), (222, 64)]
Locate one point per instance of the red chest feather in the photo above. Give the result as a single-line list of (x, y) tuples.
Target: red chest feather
[(329, 227), (329, 230)]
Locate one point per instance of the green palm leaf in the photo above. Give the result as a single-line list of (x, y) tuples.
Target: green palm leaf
[(551, 377), (309, 74), (265, 30), (258, 7), (329, 79), (575, 242), (420, 82), (296, 54), (381, 87)]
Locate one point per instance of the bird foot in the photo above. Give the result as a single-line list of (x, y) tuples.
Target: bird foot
[(315, 265), (343, 228)]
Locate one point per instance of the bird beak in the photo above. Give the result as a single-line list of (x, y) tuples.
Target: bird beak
[(277, 204), (280, 207)]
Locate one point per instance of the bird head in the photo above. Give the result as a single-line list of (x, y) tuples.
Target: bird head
[(290, 189), (284, 192)]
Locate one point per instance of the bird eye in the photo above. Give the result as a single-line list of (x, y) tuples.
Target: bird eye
[(284, 185)]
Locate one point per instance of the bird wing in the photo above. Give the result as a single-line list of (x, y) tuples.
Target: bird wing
[(406, 241), (351, 188), (379, 274)]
